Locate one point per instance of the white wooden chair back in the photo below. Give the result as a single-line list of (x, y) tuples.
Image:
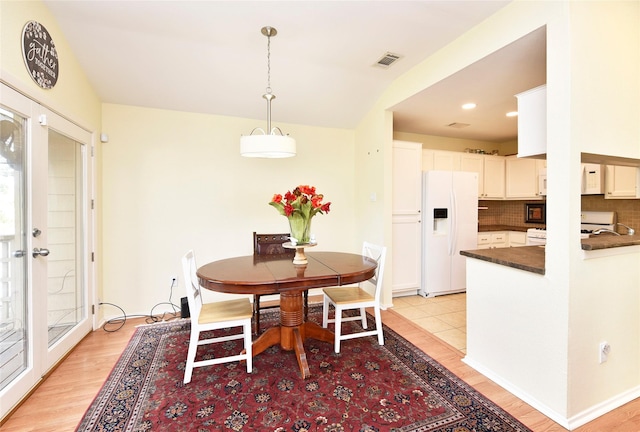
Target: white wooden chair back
[(192, 285), (378, 254)]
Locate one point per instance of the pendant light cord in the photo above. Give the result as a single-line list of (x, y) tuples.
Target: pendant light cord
[(268, 89)]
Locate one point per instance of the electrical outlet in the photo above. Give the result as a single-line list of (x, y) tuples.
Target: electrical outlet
[(604, 349), (174, 281)]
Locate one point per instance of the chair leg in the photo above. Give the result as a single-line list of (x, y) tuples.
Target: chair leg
[(191, 356), (379, 325), (325, 312), (256, 314), (248, 346), (338, 328)]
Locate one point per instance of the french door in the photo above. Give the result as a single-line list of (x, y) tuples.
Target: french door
[(46, 282)]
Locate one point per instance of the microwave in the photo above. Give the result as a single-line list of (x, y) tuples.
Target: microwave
[(542, 182), (592, 179)]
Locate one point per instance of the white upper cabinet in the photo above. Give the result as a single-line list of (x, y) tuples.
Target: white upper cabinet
[(522, 178), (494, 179), (622, 182), (532, 122), (407, 177), (440, 160), (446, 160), (490, 169), (471, 162)]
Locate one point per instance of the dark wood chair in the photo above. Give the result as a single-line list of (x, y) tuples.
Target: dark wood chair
[(271, 244)]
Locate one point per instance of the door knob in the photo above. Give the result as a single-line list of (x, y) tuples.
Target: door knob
[(40, 251), (19, 253)]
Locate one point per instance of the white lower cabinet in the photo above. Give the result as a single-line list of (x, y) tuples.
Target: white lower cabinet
[(484, 240), (501, 239), (407, 255), (493, 239), (517, 238)]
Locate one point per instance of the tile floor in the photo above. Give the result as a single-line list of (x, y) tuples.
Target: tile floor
[(443, 316)]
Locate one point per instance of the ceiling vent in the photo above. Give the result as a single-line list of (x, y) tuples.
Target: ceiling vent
[(387, 60), (457, 125)]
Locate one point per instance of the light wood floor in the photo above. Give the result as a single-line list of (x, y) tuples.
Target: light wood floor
[(60, 402)]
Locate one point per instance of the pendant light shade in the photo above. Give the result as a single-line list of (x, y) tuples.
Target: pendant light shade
[(267, 146), (271, 143)]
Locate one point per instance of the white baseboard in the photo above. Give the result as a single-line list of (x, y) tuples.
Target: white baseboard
[(519, 393), (602, 408), (570, 423)]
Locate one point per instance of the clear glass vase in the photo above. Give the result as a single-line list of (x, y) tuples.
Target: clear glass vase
[(300, 228)]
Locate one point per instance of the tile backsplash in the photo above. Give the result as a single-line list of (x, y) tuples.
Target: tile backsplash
[(512, 213), (627, 210)]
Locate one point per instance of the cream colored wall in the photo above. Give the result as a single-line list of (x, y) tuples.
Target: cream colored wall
[(72, 96), (604, 298), (457, 144), (373, 186), (606, 100), (176, 181), (559, 346)]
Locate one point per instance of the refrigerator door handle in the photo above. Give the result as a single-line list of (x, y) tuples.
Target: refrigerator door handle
[(454, 223)]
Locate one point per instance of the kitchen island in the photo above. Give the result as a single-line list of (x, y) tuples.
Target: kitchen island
[(531, 258)]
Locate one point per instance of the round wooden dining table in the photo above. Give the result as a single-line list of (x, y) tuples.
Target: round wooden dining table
[(276, 274)]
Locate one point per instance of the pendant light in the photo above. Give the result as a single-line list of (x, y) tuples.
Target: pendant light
[(272, 143)]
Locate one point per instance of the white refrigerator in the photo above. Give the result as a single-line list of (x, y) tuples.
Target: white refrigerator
[(449, 225)]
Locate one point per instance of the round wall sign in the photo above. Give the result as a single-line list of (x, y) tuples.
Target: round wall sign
[(40, 55)]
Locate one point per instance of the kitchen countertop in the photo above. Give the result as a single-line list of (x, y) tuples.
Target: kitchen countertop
[(488, 228), (528, 258), (607, 241), (531, 258)]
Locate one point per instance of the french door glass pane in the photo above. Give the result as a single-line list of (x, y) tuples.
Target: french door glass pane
[(14, 333), (65, 279)]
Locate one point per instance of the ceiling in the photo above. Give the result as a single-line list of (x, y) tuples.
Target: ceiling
[(210, 57)]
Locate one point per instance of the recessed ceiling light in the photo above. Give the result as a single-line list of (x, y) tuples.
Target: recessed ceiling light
[(469, 106), (512, 114)]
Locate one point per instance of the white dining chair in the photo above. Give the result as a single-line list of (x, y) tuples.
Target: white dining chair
[(366, 294), (214, 316)]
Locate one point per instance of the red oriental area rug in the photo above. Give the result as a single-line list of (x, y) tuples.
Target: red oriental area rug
[(367, 387)]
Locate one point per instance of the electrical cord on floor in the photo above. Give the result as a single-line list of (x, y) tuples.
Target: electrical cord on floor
[(151, 318), (176, 309)]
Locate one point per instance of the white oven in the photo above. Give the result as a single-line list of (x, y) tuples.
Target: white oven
[(591, 223), (594, 222), (536, 237)]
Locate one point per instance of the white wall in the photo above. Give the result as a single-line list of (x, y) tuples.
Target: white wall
[(176, 181)]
